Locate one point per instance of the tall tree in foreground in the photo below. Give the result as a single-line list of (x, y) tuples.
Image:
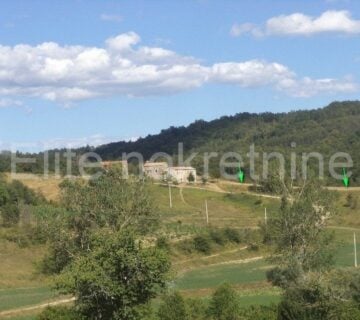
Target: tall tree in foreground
[(116, 279), (298, 232), (109, 203)]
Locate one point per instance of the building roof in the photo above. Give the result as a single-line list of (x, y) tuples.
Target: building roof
[(155, 164)]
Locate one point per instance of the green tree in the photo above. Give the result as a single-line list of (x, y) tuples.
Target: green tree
[(116, 278), (191, 177), (317, 296), (173, 307), (298, 231), (224, 304), (110, 203)]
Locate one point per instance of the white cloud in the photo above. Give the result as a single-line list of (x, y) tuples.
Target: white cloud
[(307, 87), (300, 24), (252, 73), (7, 102), (123, 67), (111, 17), (240, 29)]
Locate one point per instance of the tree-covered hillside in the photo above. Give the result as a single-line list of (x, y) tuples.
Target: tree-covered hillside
[(335, 128)]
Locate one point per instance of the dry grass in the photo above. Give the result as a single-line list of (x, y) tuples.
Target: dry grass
[(17, 266), (49, 186)]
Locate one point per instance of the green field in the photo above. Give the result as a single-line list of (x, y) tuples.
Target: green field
[(235, 210), (213, 276), (15, 298), (24, 317)]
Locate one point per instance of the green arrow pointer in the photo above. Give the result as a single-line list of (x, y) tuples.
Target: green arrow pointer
[(345, 178), (241, 175)]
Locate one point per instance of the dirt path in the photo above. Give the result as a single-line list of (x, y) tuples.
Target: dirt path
[(343, 228), (211, 256), (215, 188), (240, 261), (35, 307), (183, 199)]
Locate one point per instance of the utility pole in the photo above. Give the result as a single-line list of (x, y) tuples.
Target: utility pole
[(170, 198), (265, 217), (355, 251), (206, 212)]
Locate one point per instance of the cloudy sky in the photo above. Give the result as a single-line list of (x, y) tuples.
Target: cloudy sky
[(88, 72)]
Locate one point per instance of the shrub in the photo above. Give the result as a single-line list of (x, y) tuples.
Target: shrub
[(224, 304), (217, 236), (283, 277), (59, 313), (186, 246), (173, 307), (258, 202), (10, 214), (253, 246), (232, 235), (351, 201), (196, 309), (191, 177), (260, 313), (202, 244), (163, 243)]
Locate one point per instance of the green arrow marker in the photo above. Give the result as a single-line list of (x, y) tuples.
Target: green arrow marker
[(241, 175), (345, 178)]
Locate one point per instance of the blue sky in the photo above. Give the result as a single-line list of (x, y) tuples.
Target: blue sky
[(89, 72)]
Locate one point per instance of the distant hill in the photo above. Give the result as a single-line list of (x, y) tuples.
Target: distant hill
[(327, 130)]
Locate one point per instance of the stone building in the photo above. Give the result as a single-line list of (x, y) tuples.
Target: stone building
[(161, 171), (182, 174), (156, 170)]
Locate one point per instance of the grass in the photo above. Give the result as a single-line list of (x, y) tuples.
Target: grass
[(213, 276), (22, 317), (346, 216), (260, 299), (235, 210), (22, 297), (17, 266), (49, 186)]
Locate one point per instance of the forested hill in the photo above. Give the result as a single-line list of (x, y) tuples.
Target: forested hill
[(326, 130)]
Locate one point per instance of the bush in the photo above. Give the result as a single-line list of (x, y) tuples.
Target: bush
[(224, 304), (196, 309), (59, 313), (191, 178), (258, 202), (283, 277), (173, 307), (202, 244), (253, 246), (217, 236), (351, 201), (10, 214), (232, 235), (163, 243), (260, 313), (186, 246)]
